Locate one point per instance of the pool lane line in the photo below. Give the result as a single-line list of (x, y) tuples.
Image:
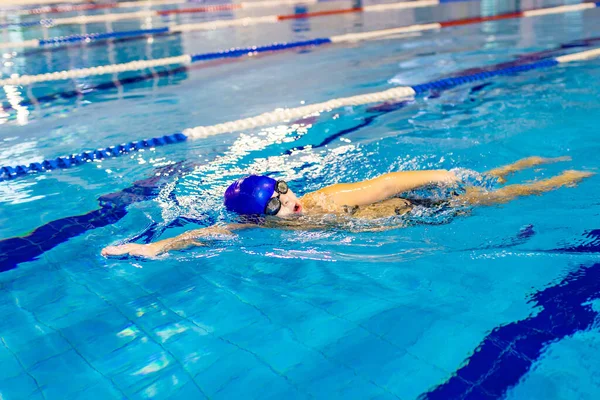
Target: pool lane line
[(272, 19), (509, 351), (113, 207), (249, 51), (284, 115), (14, 251), (219, 23), (112, 84)]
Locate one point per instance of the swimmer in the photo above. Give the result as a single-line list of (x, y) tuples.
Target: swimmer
[(370, 199)]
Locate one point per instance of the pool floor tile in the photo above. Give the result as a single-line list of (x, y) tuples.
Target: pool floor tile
[(42, 348), (20, 386), (231, 370), (75, 375)]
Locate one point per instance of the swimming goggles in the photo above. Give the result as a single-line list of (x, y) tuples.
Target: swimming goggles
[(274, 204)]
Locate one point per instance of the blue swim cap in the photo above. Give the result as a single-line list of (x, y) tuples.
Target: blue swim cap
[(250, 195)]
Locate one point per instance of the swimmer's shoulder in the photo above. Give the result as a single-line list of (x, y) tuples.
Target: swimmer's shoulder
[(309, 197), (311, 200), (320, 201)]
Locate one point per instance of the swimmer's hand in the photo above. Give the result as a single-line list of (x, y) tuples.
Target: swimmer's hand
[(183, 241), (132, 249)]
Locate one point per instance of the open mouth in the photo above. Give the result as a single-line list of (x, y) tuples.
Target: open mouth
[(297, 208)]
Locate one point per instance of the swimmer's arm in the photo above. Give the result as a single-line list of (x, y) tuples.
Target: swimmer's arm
[(183, 241), (383, 187)]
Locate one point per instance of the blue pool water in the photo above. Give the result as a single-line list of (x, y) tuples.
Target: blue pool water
[(498, 304)]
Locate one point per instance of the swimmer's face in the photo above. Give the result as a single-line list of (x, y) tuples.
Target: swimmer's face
[(290, 205)]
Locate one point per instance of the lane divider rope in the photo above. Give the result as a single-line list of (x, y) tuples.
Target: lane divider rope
[(156, 3), (271, 19), (66, 8), (88, 19), (283, 115)]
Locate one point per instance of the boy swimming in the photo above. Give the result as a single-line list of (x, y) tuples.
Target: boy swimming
[(375, 198)]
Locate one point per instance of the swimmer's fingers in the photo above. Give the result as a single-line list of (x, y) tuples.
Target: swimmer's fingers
[(502, 172), (536, 160), (132, 249), (559, 159), (115, 250), (573, 177)]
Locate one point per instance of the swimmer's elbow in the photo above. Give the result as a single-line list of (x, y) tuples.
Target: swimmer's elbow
[(389, 187)]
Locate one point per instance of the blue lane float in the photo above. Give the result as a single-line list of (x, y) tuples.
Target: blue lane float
[(449, 83), (60, 40), (113, 207), (25, 24), (90, 156), (258, 49)]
